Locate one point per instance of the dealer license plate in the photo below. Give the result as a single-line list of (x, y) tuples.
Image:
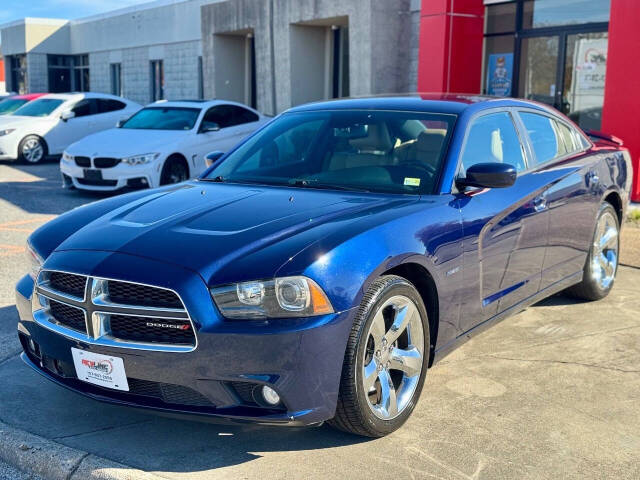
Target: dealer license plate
[(90, 174), (102, 370)]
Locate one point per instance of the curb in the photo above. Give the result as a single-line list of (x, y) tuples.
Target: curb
[(50, 460)]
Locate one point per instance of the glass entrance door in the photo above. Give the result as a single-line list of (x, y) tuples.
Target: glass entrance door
[(539, 68), (566, 71), (584, 75)]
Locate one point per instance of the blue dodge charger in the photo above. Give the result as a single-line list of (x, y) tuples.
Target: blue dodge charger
[(317, 270)]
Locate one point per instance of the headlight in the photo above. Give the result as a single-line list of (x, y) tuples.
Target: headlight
[(278, 298), (6, 131), (34, 260), (140, 159), (66, 157)]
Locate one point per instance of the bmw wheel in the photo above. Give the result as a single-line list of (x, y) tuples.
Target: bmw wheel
[(175, 170), (602, 263), (385, 361), (32, 149)]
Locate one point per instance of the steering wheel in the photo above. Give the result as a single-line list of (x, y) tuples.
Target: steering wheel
[(431, 170)]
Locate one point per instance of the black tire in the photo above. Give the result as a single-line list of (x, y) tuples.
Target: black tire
[(174, 170), (353, 412), (39, 145), (590, 288)]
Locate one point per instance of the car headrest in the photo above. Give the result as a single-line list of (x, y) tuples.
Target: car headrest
[(430, 141), (377, 140)]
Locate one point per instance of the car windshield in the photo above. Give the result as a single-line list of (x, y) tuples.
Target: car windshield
[(376, 151), (9, 105), (163, 118), (39, 108)]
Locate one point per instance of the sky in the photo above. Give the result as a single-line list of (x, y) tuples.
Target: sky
[(70, 9)]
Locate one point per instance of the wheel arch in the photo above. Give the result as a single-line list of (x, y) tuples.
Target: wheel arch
[(615, 200), (423, 281), (179, 156)]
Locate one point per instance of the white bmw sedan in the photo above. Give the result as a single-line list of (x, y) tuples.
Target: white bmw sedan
[(51, 123), (165, 142)]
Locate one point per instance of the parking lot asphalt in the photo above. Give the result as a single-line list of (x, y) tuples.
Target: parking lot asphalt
[(552, 392)]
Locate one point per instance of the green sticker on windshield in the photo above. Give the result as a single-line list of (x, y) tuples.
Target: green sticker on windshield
[(412, 182)]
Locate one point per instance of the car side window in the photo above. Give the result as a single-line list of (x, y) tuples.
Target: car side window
[(227, 116), (106, 105), (546, 139), (493, 138), (241, 115), (85, 107), (568, 139)]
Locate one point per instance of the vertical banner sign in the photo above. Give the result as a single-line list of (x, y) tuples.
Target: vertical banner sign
[(499, 74)]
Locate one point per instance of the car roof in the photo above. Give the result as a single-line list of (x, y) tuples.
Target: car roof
[(451, 103), (196, 103), (28, 96), (81, 95)]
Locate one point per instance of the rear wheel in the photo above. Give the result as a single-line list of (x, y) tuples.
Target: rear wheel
[(32, 149), (175, 170), (602, 263), (386, 360)]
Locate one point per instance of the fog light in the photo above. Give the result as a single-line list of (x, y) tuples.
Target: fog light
[(270, 396)]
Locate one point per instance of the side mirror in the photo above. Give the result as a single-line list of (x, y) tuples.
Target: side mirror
[(67, 114), (121, 122), (212, 157), (209, 127), (488, 175)]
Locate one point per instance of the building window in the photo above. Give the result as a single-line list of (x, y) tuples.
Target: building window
[(18, 73), (157, 80), (549, 51), (68, 73), (200, 79), (81, 73), (116, 78)]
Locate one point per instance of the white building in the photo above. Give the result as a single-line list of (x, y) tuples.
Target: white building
[(271, 54)]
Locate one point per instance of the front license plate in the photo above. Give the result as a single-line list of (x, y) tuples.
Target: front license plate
[(102, 370), (90, 174)]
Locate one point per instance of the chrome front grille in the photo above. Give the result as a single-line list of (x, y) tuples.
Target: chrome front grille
[(113, 313)]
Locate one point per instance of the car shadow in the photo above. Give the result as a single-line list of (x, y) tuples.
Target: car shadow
[(37, 189), (559, 299)]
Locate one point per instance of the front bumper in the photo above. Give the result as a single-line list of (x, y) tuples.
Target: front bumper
[(8, 147), (114, 178), (302, 363)]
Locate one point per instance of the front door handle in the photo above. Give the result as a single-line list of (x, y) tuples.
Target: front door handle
[(540, 203)]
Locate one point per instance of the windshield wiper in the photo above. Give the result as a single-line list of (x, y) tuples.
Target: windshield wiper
[(218, 179), (301, 182)]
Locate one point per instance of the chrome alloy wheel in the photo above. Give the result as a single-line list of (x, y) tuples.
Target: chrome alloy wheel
[(604, 257), (32, 150), (393, 357)]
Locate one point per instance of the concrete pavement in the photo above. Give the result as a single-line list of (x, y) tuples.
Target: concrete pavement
[(550, 393)]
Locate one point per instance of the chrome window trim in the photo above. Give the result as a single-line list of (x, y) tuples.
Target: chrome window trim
[(99, 325)]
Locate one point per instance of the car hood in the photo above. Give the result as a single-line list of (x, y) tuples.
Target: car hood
[(205, 226), (13, 121), (123, 142)]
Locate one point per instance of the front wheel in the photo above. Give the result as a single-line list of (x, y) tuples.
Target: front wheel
[(602, 262), (32, 149), (385, 361), (175, 170)]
